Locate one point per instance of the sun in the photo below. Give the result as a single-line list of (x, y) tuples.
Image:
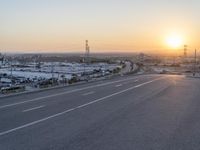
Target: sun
[(174, 41)]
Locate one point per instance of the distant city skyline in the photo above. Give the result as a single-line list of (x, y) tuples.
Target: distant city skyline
[(109, 25)]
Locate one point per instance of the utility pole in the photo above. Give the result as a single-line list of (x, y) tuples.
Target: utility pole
[(11, 70), (195, 62), (52, 70)]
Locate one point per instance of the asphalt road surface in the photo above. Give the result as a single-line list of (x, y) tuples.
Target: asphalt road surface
[(148, 112)]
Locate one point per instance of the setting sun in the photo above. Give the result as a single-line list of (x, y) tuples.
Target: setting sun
[(174, 41)]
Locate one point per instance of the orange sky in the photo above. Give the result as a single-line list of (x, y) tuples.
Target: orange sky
[(122, 26)]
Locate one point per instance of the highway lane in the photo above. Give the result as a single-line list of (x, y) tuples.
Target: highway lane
[(53, 105), (62, 91), (144, 113)]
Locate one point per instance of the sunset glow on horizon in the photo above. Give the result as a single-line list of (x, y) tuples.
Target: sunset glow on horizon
[(109, 25), (175, 41)]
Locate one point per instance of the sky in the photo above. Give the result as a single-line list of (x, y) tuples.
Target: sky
[(109, 25)]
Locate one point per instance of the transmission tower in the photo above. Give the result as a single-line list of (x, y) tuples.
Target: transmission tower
[(87, 52), (185, 51)]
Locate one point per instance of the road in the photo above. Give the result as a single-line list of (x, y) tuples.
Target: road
[(147, 112)]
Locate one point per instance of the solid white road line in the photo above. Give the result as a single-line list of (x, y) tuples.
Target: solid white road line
[(75, 108), (34, 108), (89, 93), (63, 93)]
